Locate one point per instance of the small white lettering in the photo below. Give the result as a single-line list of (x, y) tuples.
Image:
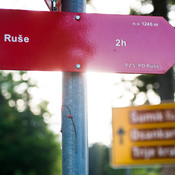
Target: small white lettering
[(152, 134), (170, 115), (26, 39), (121, 43), (153, 152), (156, 24), (7, 37), (146, 117), (20, 38), (166, 152), (142, 66), (143, 152), (145, 24)]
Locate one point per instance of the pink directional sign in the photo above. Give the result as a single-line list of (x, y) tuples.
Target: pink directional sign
[(59, 41)]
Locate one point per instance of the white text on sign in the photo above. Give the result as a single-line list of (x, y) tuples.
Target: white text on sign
[(19, 39), (142, 66), (121, 43), (145, 24)]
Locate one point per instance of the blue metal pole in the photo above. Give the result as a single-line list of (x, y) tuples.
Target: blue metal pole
[(74, 113), (128, 171), (73, 5), (74, 147)]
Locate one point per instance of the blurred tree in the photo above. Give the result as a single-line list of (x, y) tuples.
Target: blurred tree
[(162, 85), (27, 147), (146, 171), (99, 161), (166, 81)]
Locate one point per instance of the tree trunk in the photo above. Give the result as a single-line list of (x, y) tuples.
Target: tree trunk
[(166, 81), (168, 171), (160, 8), (166, 86)]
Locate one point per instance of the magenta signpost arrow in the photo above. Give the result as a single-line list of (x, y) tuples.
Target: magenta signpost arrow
[(80, 42)]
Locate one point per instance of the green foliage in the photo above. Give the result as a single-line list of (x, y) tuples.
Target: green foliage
[(145, 84), (27, 147), (146, 171), (142, 89), (134, 12), (99, 161), (172, 1), (161, 85), (99, 164)]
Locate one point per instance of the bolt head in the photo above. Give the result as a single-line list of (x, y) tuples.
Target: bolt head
[(77, 17), (78, 66), (55, 9)]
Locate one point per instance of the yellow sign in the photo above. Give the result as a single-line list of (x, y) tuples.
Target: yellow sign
[(143, 135)]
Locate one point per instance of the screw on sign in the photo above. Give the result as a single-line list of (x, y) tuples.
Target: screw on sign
[(97, 42)]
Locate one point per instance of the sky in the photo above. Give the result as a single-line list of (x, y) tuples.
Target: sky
[(101, 87), (112, 6)]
